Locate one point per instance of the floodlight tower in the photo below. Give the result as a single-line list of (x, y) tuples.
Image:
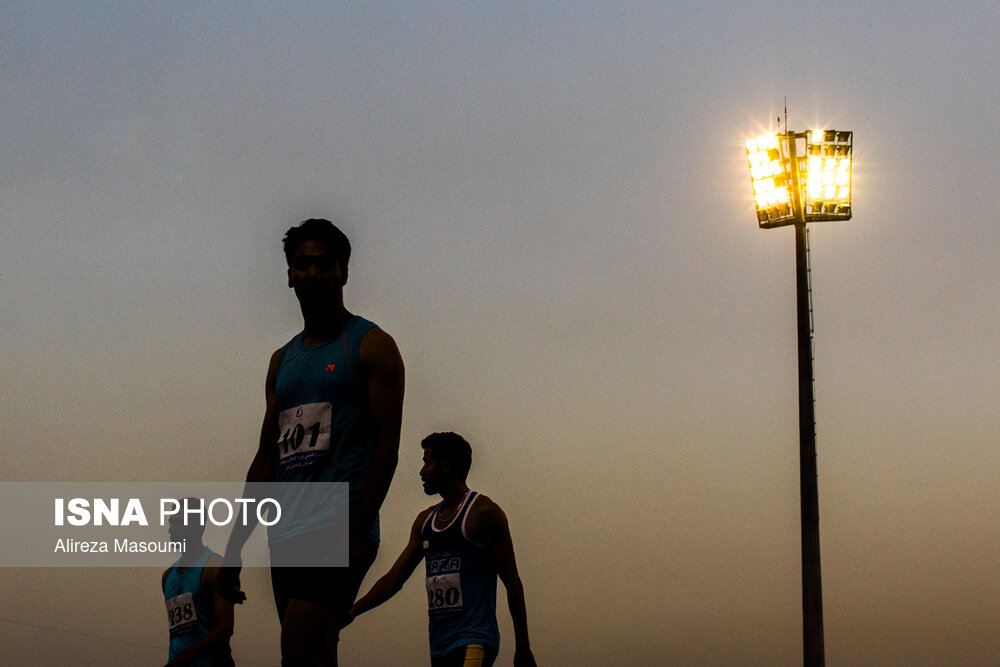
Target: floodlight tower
[(801, 177)]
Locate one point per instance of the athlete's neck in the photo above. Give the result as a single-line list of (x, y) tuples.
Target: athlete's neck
[(192, 552), (454, 494), (319, 327)]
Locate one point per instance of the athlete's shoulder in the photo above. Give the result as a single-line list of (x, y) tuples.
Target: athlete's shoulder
[(272, 369), (422, 516), (485, 511), (417, 529), (291, 342), (276, 356), (212, 565), (487, 523), (211, 571), (361, 323), (376, 336), (484, 503), (379, 350)]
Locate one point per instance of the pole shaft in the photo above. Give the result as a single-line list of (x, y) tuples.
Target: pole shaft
[(812, 594)]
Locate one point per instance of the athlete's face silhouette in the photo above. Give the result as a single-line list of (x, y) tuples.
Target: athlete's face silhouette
[(178, 531), (433, 473), (315, 274)]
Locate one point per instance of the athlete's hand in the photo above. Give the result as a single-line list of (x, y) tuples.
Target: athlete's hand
[(229, 584), (523, 657)]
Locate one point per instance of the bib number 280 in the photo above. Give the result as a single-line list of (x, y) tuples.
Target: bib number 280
[(444, 593)]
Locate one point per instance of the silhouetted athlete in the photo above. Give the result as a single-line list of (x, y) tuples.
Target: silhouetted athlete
[(199, 618), (341, 381), (465, 543)]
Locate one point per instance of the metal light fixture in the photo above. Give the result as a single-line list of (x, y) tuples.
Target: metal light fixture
[(801, 176)]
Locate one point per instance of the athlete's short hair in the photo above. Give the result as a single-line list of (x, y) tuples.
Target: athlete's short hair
[(450, 447), (324, 231)]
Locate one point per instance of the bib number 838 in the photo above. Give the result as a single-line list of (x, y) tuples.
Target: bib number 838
[(181, 614)]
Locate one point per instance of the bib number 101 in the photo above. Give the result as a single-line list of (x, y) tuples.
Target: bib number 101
[(304, 428), (293, 438)]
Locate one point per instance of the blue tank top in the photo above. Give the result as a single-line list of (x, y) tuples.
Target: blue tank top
[(323, 422), (461, 585), (190, 613)]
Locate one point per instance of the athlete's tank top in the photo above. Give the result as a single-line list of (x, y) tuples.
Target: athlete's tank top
[(461, 585), (323, 429), (190, 613)]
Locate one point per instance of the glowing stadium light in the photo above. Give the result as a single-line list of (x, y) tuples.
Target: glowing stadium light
[(801, 177), (769, 176), (827, 179)]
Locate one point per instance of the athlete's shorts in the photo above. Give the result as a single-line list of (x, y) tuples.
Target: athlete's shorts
[(473, 655), (335, 588)]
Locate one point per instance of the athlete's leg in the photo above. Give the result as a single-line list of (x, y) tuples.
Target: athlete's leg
[(312, 604), (473, 655), (309, 635)]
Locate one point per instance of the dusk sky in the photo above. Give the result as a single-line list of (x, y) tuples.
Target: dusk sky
[(551, 213)]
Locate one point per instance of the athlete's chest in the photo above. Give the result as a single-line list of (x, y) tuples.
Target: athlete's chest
[(180, 582), (442, 542), (328, 373)]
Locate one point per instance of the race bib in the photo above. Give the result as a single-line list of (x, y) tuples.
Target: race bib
[(304, 435), (444, 594), (181, 614)]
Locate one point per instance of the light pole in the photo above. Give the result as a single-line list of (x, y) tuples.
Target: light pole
[(801, 177)]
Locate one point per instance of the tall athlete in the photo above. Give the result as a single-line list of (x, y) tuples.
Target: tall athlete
[(199, 618), (341, 377), (465, 543)]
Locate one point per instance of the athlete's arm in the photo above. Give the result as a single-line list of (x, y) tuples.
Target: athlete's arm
[(398, 574), (383, 366), (263, 468), (222, 611), (487, 525)]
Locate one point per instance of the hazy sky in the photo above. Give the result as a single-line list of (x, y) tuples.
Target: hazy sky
[(551, 213)]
